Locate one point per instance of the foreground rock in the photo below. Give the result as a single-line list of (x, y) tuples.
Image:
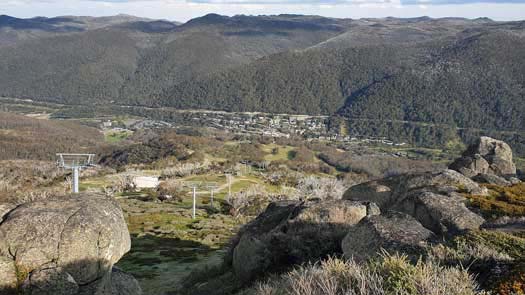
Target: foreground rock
[(393, 232), (434, 199), (486, 156), (290, 233), (66, 246)]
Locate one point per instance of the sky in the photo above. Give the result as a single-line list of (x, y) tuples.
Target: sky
[(183, 10)]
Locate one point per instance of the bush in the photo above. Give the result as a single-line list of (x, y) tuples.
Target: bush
[(497, 259), (186, 169), (251, 201), (323, 188)]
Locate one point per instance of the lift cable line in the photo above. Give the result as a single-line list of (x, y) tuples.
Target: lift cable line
[(212, 186), (193, 185), (76, 162)]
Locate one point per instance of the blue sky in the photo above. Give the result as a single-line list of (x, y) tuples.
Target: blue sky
[(183, 10)]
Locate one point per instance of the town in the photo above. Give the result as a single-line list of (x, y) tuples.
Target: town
[(310, 128)]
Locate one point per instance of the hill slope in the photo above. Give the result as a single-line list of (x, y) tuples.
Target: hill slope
[(133, 62), (27, 138)]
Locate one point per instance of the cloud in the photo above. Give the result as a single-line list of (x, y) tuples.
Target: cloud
[(313, 2), (452, 2)]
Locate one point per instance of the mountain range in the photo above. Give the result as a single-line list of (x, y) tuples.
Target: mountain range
[(461, 73)]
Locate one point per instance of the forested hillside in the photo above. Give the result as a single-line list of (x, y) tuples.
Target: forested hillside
[(136, 61), (421, 80), (310, 82)]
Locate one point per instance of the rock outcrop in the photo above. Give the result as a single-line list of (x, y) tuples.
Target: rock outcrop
[(491, 179), (290, 233), (431, 198), (443, 214), (389, 191), (66, 246), (486, 156), (393, 232)]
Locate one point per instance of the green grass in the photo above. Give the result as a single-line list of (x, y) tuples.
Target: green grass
[(94, 183), (153, 261), (282, 154), (116, 136), (219, 178)]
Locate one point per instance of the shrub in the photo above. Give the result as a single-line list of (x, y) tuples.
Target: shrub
[(186, 169), (248, 202), (320, 187), (122, 183), (171, 187)]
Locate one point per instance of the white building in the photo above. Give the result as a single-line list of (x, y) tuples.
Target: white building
[(141, 182)]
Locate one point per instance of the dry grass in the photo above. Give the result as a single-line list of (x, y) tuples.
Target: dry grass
[(389, 275), (22, 180)]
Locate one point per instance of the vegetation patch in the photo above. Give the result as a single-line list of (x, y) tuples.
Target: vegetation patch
[(389, 275), (502, 201), (116, 136), (277, 152)]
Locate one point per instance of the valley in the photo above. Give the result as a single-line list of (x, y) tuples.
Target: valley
[(423, 81), (262, 155)]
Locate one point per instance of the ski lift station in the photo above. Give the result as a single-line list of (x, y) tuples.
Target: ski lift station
[(76, 162)]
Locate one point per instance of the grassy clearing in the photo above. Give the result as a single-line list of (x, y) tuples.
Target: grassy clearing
[(167, 243), (282, 152), (113, 136), (161, 264)]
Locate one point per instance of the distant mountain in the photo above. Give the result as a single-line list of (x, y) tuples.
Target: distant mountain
[(13, 30), (373, 73)]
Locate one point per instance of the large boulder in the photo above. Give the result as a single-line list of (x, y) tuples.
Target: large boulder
[(393, 232), (434, 199), (443, 214), (389, 191), (290, 233), (486, 156), (64, 245)]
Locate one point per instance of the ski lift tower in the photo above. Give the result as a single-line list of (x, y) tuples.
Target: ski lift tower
[(76, 162)]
